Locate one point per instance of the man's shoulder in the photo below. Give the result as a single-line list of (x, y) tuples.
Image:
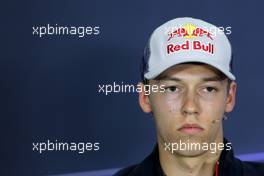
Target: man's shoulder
[(249, 169), (149, 166), (253, 168), (125, 171)]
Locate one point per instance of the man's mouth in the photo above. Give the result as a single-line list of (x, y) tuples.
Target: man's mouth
[(191, 129)]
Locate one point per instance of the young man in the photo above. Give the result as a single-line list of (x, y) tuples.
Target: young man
[(189, 60)]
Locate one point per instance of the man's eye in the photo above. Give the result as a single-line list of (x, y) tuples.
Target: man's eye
[(210, 89), (171, 89)]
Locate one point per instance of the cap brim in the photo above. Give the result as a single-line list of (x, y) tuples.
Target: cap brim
[(161, 68)]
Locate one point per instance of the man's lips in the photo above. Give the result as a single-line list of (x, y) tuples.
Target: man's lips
[(190, 128)]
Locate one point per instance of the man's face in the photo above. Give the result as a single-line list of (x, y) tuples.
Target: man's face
[(192, 107)]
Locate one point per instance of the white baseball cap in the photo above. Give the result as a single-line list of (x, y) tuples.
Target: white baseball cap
[(184, 40)]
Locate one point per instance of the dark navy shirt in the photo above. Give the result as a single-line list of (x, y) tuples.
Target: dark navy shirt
[(228, 166)]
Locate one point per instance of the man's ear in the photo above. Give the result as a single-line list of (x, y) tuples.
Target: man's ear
[(231, 97), (143, 98)]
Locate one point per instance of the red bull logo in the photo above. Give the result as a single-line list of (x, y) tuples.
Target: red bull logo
[(190, 31)]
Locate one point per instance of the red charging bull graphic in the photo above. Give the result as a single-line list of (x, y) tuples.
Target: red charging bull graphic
[(190, 31)]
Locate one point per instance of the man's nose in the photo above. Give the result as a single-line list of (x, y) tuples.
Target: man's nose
[(190, 105)]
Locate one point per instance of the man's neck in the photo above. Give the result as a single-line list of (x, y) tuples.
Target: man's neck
[(201, 165)]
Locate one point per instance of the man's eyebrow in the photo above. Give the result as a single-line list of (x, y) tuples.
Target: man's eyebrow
[(167, 78), (212, 78)]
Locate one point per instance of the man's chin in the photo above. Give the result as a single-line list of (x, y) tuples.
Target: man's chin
[(191, 139), (189, 153), (189, 146)]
